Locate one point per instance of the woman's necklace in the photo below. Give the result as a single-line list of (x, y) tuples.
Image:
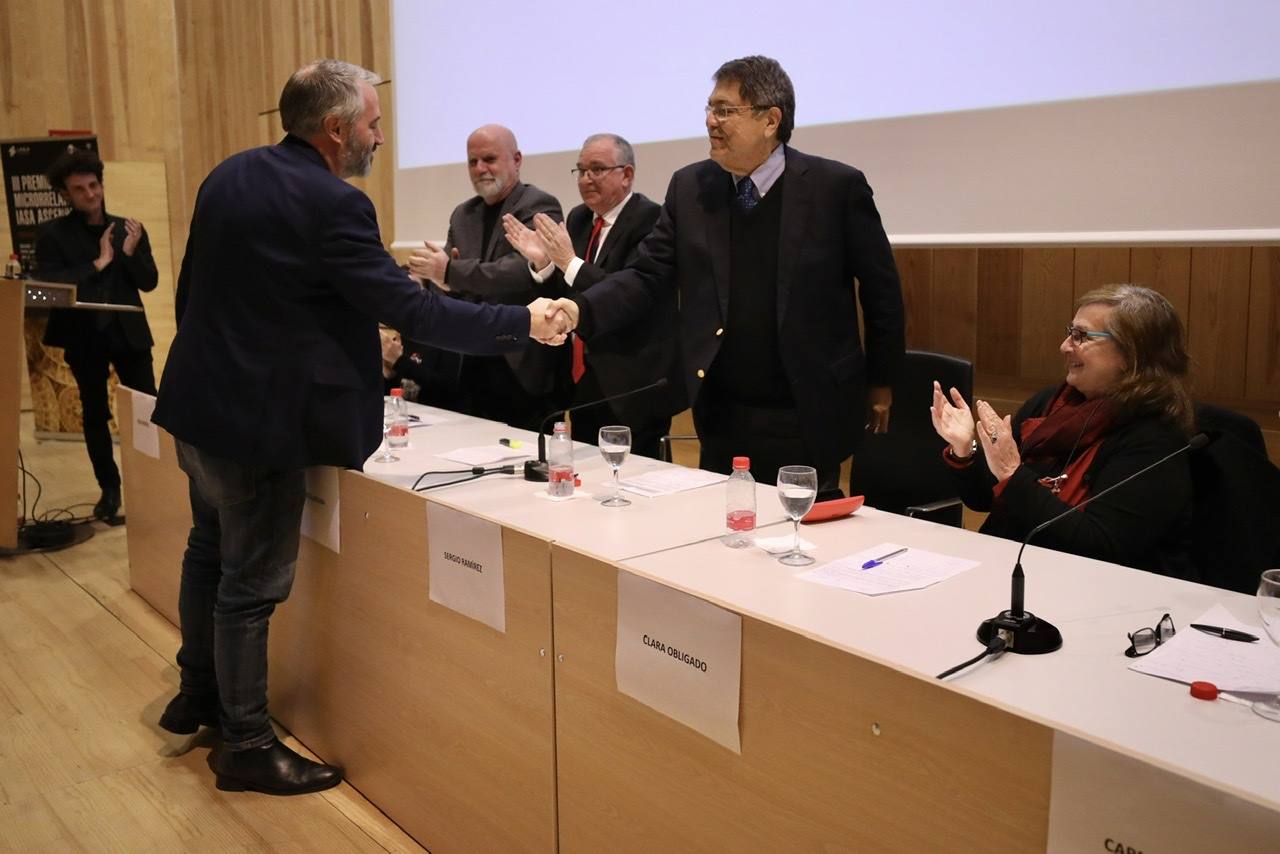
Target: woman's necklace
[(1054, 484)]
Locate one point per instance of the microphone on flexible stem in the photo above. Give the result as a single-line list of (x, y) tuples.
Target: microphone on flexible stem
[(1024, 632), (536, 470)]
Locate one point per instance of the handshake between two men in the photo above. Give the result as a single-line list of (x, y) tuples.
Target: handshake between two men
[(551, 321)]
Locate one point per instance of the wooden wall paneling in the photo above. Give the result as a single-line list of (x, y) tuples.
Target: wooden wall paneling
[(1262, 372), (1047, 299), (1217, 322), (999, 348), (915, 270), (955, 302), (1166, 269), (1100, 265), (812, 775)]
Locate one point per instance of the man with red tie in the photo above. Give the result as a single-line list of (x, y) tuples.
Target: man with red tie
[(601, 235)]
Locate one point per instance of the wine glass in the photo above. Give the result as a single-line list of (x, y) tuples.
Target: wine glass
[(1269, 611), (615, 444), (797, 488), (388, 415)]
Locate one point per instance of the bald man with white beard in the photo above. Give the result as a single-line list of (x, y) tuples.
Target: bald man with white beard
[(477, 263)]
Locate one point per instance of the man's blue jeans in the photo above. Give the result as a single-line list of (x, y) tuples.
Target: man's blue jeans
[(238, 566)]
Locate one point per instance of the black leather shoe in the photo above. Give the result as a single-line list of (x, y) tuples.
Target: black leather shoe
[(109, 504), (187, 713), (272, 769)]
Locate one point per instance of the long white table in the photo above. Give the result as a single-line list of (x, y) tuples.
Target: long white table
[(477, 740)]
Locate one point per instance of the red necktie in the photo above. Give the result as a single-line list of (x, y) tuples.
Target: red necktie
[(579, 351)]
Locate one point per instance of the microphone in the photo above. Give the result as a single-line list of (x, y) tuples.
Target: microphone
[(536, 470), (1026, 633)]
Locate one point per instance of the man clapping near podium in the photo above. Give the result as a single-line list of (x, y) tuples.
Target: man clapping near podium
[(109, 260)]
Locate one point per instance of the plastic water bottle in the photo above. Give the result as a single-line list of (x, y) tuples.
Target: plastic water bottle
[(398, 429), (740, 505), (560, 462), (13, 267)]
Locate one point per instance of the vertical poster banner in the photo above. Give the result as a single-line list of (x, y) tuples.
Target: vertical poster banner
[(464, 565), (320, 517), (32, 202), (680, 656)]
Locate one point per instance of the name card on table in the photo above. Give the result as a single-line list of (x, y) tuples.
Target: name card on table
[(320, 520), (1102, 800), (680, 656), (146, 436), (465, 565)]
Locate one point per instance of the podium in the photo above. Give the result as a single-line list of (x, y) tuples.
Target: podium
[(16, 296)]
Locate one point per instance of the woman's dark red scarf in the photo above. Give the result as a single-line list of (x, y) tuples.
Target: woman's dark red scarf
[(1067, 437)]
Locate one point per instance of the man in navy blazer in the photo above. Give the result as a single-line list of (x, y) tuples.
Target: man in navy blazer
[(763, 244), (276, 367)]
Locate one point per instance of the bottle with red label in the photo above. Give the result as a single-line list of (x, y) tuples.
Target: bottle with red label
[(560, 462), (740, 506), (398, 429)]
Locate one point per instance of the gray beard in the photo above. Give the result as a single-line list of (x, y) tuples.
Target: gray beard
[(490, 190), (356, 162)]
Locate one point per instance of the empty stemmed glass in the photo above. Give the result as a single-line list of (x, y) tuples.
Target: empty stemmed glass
[(615, 444), (797, 488), (1269, 611), (388, 415)]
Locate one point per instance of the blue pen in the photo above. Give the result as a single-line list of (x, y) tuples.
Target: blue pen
[(869, 564)]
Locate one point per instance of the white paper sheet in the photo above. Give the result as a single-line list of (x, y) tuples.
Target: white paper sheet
[(146, 436), (669, 481), (1100, 799), (465, 565), (320, 517), (1193, 656), (485, 455), (911, 570), (680, 656)]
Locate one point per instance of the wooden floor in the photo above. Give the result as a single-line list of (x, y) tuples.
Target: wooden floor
[(85, 669)]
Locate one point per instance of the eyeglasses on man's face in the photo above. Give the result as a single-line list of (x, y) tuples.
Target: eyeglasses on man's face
[(594, 172), (1144, 641), (1078, 336), (722, 112)]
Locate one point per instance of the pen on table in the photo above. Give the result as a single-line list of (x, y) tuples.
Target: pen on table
[(1228, 634), (414, 418), (882, 559), (511, 443)]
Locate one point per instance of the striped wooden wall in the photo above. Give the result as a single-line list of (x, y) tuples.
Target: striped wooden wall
[(1005, 309), (182, 83)]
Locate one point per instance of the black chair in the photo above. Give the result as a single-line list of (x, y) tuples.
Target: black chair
[(902, 471), (1235, 528)]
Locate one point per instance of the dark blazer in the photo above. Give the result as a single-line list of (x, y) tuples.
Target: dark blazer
[(497, 273), (277, 360), (65, 252), (830, 235), (1145, 524), (642, 352)]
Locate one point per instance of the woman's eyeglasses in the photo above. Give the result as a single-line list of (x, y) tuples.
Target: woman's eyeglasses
[(1144, 641), (1078, 336)]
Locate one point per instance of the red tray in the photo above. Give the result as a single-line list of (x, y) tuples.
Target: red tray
[(834, 509)]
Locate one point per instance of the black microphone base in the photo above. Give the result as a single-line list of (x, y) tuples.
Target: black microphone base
[(1028, 634), (535, 471)]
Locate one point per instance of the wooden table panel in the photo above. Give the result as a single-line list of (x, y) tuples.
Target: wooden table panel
[(838, 752), (443, 722)]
